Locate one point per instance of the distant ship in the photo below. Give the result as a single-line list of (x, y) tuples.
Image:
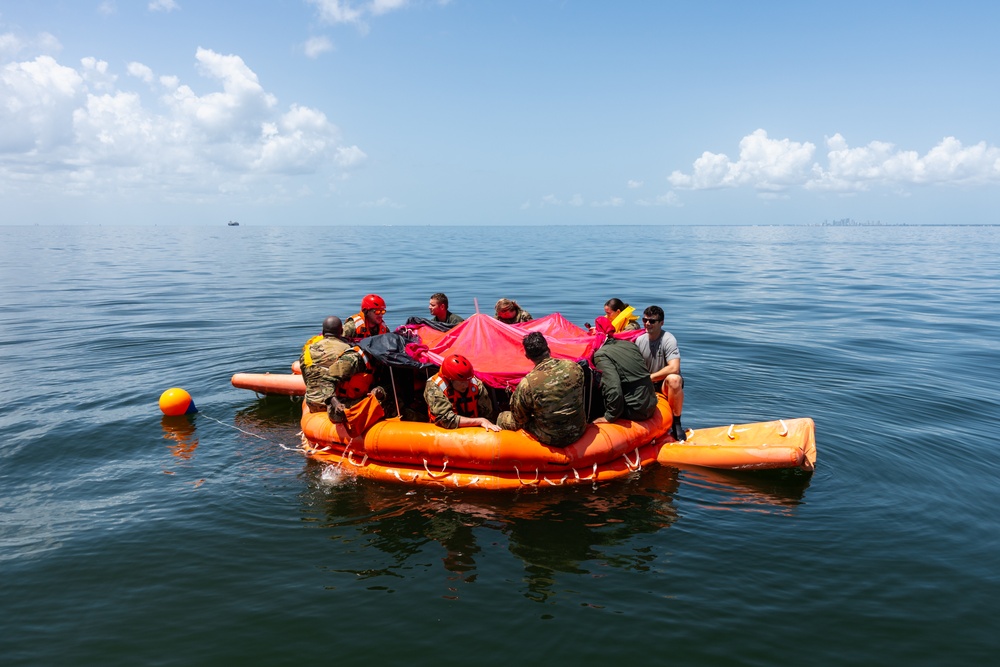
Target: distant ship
[(233, 223)]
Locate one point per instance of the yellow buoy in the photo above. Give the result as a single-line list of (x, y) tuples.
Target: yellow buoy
[(175, 401)]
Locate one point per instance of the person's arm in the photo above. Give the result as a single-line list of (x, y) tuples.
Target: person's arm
[(611, 387), (520, 409), (673, 367), (440, 407)]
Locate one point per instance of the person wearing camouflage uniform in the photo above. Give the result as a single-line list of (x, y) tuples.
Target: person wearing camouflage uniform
[(456, 398), (548, 402), (508, 312), (318, 355), (625, 384)]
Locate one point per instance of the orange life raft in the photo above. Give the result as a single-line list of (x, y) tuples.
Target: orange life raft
[(426, 454)]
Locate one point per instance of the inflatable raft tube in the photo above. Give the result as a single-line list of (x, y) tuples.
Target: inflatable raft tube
[(282, 384), (422, 445), (786, 443)]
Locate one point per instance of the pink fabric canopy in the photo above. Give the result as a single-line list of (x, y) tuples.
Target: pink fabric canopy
[(495, 349)]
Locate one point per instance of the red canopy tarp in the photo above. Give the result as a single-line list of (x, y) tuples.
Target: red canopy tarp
[(495, 349)]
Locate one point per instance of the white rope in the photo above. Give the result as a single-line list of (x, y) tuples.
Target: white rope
[(253, 435), (784, 427), (559, 483), (440, 475), (523, 483), (638, 461)]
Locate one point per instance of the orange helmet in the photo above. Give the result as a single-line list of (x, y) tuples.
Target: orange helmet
[(372, 301), (456, 367)]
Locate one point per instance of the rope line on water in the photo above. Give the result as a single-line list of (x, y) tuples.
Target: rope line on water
[(254, 435)]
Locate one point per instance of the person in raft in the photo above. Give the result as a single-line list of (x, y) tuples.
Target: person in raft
[(369, 321), (353, 377), (325, 389), (509, 312), (318, 354), (456, 398), (548, 402), (438, 305), (620, 315), (663, 361), (625, 383)]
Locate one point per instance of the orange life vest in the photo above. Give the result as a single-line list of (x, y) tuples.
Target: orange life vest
[(465, 404), (359, 383), (361, 329)]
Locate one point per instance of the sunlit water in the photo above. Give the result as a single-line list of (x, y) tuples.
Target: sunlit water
[(129, 540)]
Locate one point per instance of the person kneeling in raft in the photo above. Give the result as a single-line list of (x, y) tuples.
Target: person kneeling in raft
[(456, 398)]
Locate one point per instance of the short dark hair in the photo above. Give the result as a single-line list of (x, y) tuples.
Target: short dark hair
[(616, 304), (654, 311), (332, 326), (536, 347), (441, 298)]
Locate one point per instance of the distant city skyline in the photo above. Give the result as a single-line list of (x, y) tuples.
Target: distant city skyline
[(441, 112)]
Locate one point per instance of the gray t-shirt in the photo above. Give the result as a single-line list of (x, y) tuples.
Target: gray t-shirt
[(658, 352)]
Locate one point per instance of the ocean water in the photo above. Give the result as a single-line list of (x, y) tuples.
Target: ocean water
[(126, 540)]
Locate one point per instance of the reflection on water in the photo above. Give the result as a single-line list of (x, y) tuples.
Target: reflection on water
[(764, 491), (181, 432)]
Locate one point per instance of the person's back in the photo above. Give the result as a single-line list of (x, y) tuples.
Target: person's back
[(549, 402), (318, 355), (628, 391)]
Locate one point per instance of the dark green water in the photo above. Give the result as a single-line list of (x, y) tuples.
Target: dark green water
[(125, 540)]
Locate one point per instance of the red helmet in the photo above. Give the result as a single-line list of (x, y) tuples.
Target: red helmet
[(456, 367), (372, 301)]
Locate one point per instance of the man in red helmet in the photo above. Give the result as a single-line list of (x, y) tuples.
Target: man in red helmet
[(369, 321), (456, 398)]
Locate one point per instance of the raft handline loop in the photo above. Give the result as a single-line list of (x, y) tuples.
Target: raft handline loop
[(784, 428), (593, 475), (638, 461), (440, 475), (730, 432), (349, 455), (559, 483), (523, 483)]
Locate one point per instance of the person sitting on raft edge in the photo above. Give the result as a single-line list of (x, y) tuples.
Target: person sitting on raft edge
[(456, 398), (508, 312), (548, 402), (625, 383)]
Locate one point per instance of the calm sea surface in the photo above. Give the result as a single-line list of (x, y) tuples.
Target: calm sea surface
[(125, 540)]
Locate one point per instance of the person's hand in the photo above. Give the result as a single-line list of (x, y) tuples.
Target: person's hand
[(488, 425), (601, 420)]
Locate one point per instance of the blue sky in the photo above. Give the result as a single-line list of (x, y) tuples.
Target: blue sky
[(508, 112)]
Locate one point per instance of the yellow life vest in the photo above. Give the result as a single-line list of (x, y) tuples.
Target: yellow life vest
[(623, 319), (307, 359)]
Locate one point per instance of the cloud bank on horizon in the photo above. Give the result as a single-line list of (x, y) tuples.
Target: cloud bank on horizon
[(89, 128)]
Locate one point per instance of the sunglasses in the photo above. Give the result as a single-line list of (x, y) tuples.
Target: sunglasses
[(378, 311), (651, 320)]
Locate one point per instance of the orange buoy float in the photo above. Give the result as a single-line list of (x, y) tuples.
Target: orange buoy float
[(175, 402)]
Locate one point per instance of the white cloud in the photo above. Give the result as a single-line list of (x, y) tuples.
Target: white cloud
[(69, 128), (384, 202), (774, 166), (107, 7), (316, 46), (764, 163), (669, 199), (345, 11), (613, 201), (163, 5), (632, 185)]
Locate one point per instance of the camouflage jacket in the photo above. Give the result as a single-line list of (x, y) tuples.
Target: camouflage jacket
[(548, 403), (322, 353)]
